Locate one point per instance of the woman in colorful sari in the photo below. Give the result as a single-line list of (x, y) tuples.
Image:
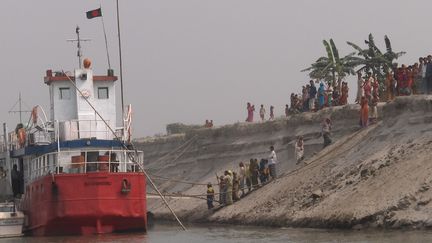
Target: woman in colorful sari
[(364, 112), (367, 88), (344, 96), (321, 95), (250, 109)]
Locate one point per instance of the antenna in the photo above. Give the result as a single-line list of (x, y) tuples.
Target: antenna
[(78, 40), (20, 111)]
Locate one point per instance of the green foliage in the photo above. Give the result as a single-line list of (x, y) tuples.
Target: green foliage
[(332, 68), (373, 60)]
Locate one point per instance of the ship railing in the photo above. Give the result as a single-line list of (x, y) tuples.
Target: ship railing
[(89, 161)]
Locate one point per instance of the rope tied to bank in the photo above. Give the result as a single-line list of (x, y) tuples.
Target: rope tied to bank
[(131, 157)]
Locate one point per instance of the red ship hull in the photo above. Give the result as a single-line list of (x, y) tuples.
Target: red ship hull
[(92, 203)]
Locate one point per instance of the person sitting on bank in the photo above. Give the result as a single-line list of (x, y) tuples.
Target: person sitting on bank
[(210, 196)]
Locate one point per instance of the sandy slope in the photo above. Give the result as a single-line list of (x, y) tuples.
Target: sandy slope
[(374, 177)]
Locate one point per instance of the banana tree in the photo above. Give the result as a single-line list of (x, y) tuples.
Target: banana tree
[(332, 68), (373, 60)]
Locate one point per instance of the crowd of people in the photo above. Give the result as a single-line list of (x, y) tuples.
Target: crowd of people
[(233, 185), (400, 81), (313, 98)]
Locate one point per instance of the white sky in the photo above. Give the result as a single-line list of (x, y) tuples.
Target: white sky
[(192, 60)]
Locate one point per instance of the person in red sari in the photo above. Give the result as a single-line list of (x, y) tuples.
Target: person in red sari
[(410, 80), (364, 112), (367, 88), (250, 109)]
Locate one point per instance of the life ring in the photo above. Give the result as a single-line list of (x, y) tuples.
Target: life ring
[(21, 136)]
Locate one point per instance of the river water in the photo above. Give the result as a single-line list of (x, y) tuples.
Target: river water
[(217, 233)]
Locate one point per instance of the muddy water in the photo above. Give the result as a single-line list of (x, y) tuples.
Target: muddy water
[(195, 233)]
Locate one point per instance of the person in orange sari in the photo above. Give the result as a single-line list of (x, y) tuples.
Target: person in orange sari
[(364, 112), (410, 77), (367, 87), (343, 100), (390, 88)]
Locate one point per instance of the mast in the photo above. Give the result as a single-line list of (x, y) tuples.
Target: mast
[(20, 111), (78, 40), (120, 57)]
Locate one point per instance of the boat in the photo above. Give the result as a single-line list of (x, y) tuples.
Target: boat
[(75, 171), (11, 220)]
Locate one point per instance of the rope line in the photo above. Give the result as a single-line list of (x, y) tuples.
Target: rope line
[(131, 157)]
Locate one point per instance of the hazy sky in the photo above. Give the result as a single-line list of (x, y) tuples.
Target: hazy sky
[(192, 60)]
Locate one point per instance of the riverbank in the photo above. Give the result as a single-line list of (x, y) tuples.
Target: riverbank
[(368, 178)]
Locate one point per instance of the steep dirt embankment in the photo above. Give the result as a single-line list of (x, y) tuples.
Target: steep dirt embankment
[(374, 177)]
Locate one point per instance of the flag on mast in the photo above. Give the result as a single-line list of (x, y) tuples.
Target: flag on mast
[(94, 13)]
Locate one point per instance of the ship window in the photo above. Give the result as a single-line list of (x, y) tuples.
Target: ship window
[(103, 93), (65, 94)]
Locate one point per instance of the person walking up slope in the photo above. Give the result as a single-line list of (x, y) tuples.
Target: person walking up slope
[(272, 163)]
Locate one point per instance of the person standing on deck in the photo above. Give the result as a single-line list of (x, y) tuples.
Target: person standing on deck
[(262, 112), (286, 110), (16, 182), (272, 163)]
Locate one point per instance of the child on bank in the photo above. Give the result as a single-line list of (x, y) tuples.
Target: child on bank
[(210, 196)]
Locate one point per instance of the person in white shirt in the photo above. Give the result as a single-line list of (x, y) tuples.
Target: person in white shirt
[(262, 112), (272, 162), (299, 149)]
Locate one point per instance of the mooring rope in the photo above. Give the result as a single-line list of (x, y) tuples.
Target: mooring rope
[(125, 147)]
